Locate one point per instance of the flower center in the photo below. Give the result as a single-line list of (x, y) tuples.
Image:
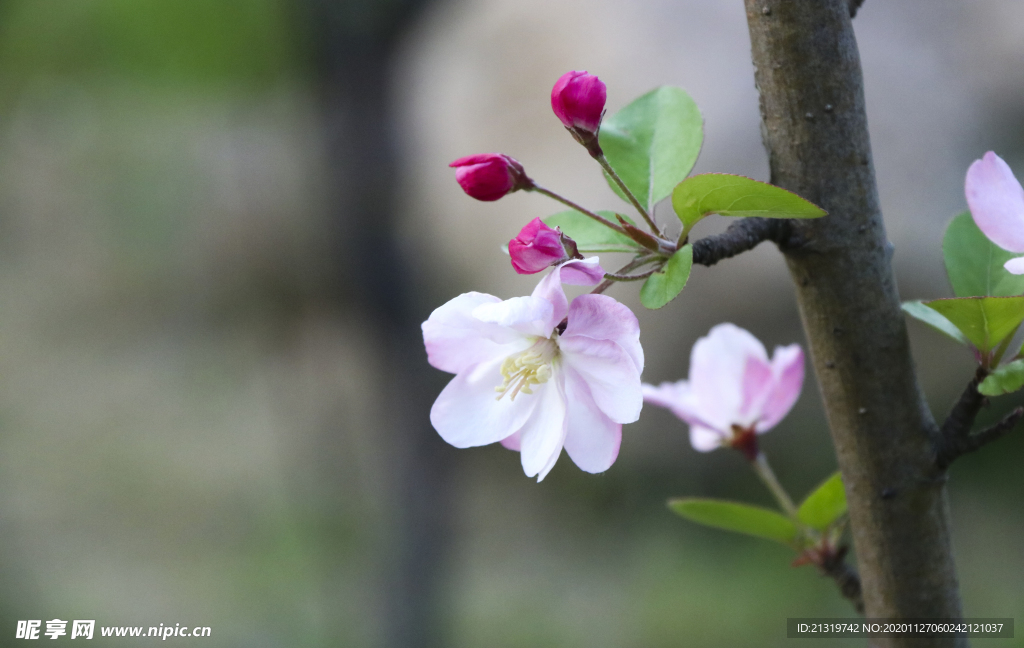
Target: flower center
[(744, 439), (527, 368)]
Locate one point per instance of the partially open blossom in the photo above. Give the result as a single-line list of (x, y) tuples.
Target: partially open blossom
[(489, 176), (578, 101), (538, 247), (996, 200), (537, 373), (734, 392)]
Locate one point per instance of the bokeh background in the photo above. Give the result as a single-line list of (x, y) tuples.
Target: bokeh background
[(221, 223)]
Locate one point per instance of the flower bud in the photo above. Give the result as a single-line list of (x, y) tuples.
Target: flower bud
[(578, 100), (538, 247), (489, 176)]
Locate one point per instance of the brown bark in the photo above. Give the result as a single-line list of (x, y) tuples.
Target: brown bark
[(815, 129)]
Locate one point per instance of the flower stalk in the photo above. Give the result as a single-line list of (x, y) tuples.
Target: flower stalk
[(603, 161), (583, 210), (764, 471)]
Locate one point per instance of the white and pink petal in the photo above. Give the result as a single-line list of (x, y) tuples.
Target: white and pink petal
[(678, 398), (513, 442), (704, 439), (455, 339), (602, 318), (581, 272), (718, 364), (586, 272), (609, 372), (1015, 266), (787, 382), (542, 436), (468, 414), (996, 201), (758, 382), (592, 439), (528, 316)]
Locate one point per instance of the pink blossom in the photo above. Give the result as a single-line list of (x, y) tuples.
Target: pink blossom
[(734, 391), (578, 101), (537, 373), (538, 247), (489, 176), (996, 200)]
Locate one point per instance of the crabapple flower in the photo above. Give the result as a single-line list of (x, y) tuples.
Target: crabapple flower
[(578, 101), (489, 176), (538, 247), (734, 391), (996, 201), (537, 373)]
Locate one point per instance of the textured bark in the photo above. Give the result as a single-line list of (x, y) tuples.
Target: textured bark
[(743, 235), (815, 129)]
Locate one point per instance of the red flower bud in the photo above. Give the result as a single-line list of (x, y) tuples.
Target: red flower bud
[(578, 100), (489, 176), (538, 247)]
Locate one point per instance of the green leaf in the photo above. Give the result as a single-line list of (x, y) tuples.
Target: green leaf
[(985, 321), (975, 264), (733, 195), (591, 236), (662, 287), (1004, 380), (825, 504), (653, 143), (929, 316), (733, 516)]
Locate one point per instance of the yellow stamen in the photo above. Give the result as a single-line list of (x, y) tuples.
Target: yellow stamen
[(524, 370)]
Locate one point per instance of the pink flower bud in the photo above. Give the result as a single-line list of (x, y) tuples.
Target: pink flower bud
[(578, 100), (489, 176), (537, 247)]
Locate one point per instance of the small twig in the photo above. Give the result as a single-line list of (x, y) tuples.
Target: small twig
[(846, 578), (958, 446), (965, 410), (637, 277), (632, 265), (740, 237), (959, 422), (955, 436), (583, 210), (854, 6), (603, 161)]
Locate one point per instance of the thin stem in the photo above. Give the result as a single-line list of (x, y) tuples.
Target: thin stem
[(603, 161), (619, 277), (997, 355), (632, 265), (565, 201), (764, 471)]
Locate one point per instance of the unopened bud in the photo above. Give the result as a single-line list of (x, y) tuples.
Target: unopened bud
[(578, 101), (489, 176), (537, 247)]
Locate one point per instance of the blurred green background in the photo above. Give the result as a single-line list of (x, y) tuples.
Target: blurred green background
[(221, 222)]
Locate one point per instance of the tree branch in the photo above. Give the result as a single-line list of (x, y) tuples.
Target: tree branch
[(955, 436), (846, 578), (741, 236), (807, 71), (965, 410), (959, 422), (965, 442)]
